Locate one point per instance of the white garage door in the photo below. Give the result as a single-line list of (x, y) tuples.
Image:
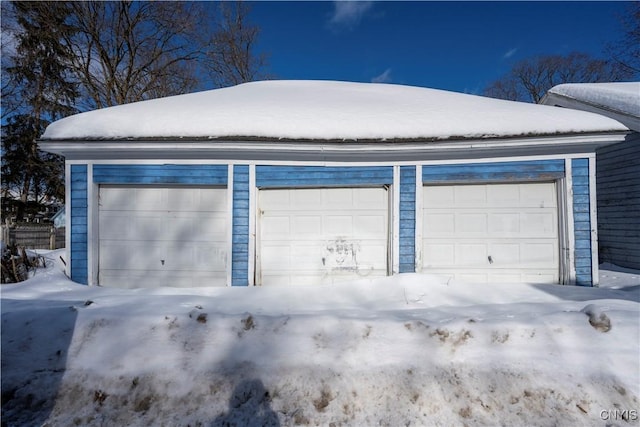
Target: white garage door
[(492, 233), (321, 235), (158, 236)]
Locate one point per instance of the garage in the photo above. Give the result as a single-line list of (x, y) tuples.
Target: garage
[(151, 236), (310, 236), (488, 233), (359, 183)]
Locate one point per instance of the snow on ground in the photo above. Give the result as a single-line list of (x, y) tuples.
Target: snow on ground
[(405, 350), (326, 110)]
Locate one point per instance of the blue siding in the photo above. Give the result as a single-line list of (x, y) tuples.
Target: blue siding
[(314, 176), (161, 174), (319, 176), (240, 228), (494, 172), (407, 219), (79, 203), (582, 221)]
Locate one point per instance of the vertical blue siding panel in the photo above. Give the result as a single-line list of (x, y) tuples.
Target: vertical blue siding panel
[(582, 221), (407, 235), (240, 227), (79, 230)]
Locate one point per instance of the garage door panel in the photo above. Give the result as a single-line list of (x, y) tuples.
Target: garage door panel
[(480, 276), (338, 225), (504, 223), (197, 200), (503, 195), (370, 198), (369, 226), (439, 196), (546, 276), (150, 199), (471, 223), (306, 256), (539, 254), (210, 228), (439, 224), (141, 255), (307, 225), (165, 232), (470, 196), (128, 199), (307, 278), (275, 227), (117, 225), (540, 195), (339, 198), (148, 226), (505, 254), (329, 234), (372, 255), (275, 201), (471, 254), (543, 224), (278, 257), (439, 254), (154, 279), (492, 232), (192, 227)]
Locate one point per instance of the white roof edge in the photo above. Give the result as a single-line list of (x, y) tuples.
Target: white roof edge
[(259, 150), (618, 100)]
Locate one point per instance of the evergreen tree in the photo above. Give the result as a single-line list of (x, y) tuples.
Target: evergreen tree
[(37, 83)]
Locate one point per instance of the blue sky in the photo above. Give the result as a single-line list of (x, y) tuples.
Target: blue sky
[(459, 46)]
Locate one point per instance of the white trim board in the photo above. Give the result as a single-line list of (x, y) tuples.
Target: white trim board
[(593, 221), (502, 159)]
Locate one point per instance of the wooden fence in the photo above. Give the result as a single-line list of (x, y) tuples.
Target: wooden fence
[(34, 236)]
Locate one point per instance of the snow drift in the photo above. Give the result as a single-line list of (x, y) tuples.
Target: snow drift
[(405, 350)]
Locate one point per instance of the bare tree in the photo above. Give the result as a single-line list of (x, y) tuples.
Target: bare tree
[(130, 51), (60, 57), (231, 59), (530, 79), (626, 51)]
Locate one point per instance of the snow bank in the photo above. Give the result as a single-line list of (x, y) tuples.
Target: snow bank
[(405, 350), (325, 110)]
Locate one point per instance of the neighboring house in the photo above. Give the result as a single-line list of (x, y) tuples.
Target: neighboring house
[(617, 166), (310, 182), (58, 219)]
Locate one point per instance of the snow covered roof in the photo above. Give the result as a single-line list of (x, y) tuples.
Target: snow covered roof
[(325, 110), (620, 101)]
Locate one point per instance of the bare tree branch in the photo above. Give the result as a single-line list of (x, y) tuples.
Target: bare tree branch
[(530, 79), (626, 51), (231, 59), (132, 49)]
